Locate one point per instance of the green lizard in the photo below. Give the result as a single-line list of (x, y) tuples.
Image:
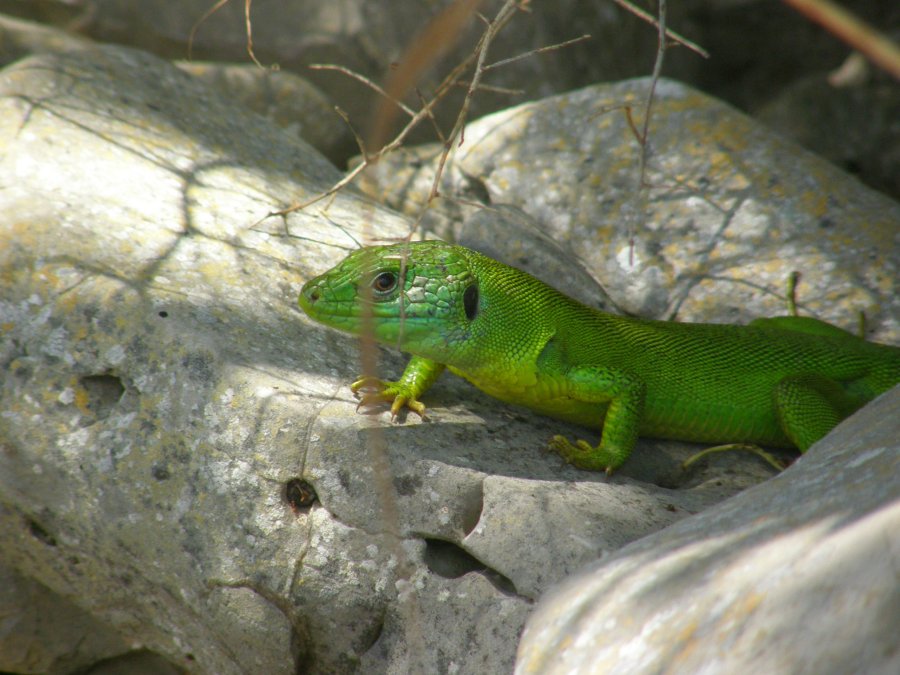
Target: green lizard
[(781, 382)]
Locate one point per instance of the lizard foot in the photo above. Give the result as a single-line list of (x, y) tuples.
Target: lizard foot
[(372, 391), (583, 455)]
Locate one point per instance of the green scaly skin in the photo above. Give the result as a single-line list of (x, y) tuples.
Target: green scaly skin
[(781, 382)]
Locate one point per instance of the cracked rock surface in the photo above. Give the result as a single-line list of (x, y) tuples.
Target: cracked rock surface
[(798, 574), (180, 459)]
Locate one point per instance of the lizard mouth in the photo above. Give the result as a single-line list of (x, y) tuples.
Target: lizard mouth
[(318, 305)]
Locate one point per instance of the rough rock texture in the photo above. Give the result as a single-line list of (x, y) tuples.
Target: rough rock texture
[(289, 101), (135, 387), (166, 409), (730, 211), (760, 50), (40, 632), (372, 37), (797, 575), (180, 458)]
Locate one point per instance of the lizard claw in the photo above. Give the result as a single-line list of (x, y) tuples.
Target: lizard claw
[(372, 391), (583, 455), (368, 383)]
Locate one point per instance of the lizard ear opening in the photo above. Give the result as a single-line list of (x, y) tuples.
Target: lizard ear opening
[(470, 301)]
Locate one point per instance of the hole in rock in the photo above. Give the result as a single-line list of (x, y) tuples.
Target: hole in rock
[(160, 472), (38, 532), (450, 561), (104, 393), (300, 495), (472, 506), (371, 635)]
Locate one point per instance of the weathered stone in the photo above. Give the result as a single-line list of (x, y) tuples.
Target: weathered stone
[(731, 209), (289, 101), (798, 574), (186, 438), (136, 392), (506, 233), (826, 118), (160, 391), (41, 632)]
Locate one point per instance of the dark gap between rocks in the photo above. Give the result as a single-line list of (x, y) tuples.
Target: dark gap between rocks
[(450, 561)]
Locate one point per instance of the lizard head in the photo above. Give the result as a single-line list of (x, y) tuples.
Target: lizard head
[(415, 296)]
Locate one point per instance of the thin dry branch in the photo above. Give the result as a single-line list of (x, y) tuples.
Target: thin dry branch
[(657, 72), (248, 26), (500, 90), (504, 15), (431, 118), (643, 136), (439, 35), (426, 112), (672, 35), (876, 46), (539, 50), (366, 81), (360, 141), (208, 13)]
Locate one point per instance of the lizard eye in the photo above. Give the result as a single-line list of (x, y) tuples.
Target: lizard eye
[(384, 283)]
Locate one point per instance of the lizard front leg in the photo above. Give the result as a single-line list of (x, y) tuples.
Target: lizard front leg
[(418, 376), (625, 394)]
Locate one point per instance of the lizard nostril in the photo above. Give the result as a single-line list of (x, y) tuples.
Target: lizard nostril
[(311, 293)]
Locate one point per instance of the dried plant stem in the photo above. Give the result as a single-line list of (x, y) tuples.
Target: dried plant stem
[(507, 11), (248, 26), (876, 46), (477, 57), (672, 35), (644, 133), (438, 36), (540, 50), (366, 81)]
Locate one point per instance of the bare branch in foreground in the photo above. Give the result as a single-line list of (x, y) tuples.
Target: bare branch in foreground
[(675, 37)]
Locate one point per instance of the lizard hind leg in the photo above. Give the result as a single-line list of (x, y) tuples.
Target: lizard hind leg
[(809, 406)]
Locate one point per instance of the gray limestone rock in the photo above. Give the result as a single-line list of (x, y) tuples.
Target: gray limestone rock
[(730, 211), (507, 233), (289, 101), (185, 437), (161, 394), (796, 575), (41, 632), (149, 423)]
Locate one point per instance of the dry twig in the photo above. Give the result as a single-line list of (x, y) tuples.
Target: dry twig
[(248, 26), (394, 91), (675, 37), (876, 46)]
